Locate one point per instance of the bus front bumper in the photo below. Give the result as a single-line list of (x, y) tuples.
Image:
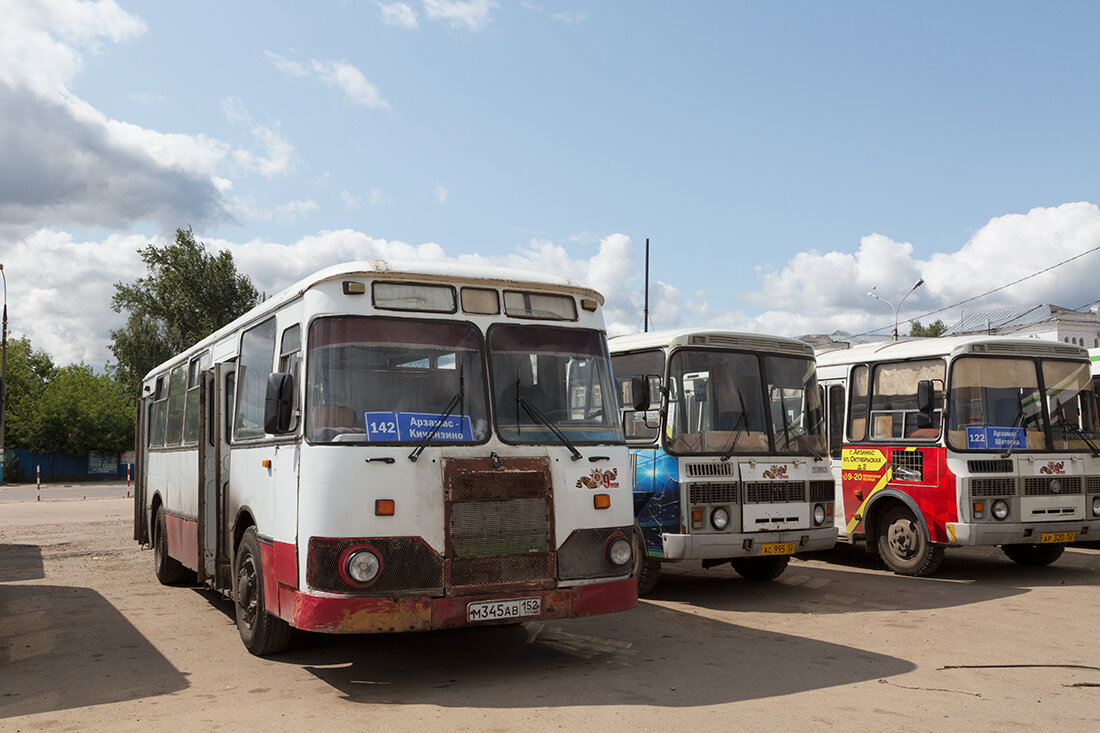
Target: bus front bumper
[(747, 544), (961, 534), (342, 615)]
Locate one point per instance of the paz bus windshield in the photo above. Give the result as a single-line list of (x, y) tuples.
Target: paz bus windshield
[(724, 402), (1022, 404)]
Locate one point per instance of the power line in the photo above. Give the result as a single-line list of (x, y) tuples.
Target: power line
[(990, 292)]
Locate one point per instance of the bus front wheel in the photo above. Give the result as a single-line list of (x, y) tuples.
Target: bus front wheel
[(1035, 556), (261, 632), (760, 568), (903, 546)]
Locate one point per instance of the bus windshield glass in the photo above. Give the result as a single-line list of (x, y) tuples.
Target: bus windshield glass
[(391, 380), (563, 376), (716, 404), (997, 404)]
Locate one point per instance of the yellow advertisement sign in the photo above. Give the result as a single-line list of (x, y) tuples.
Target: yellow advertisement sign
[(862, 459)]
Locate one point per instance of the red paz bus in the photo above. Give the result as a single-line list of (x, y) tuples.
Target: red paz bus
[(380, 448), (963, 441)]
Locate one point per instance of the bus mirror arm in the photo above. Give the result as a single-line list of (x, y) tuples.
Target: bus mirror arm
[(279, 403)]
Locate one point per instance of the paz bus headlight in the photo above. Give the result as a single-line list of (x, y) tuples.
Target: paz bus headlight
[(819, 515), (363, 566), (1000, 509), (618, 551), (719, 518), (1096, 506)]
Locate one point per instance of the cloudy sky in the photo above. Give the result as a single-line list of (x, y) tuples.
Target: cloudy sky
[(782, 158)]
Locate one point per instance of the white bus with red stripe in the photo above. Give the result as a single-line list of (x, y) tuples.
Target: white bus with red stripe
[(384, 448), (963, 441)]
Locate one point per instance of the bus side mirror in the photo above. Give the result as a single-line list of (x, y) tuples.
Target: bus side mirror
[(278, 403), (924, 403), (639, 400)]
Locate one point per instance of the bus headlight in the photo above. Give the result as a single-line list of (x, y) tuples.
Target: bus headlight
[(1096, 506), (1000, 509), (363, 566), (719, 518), (819, 515), (619, 552)]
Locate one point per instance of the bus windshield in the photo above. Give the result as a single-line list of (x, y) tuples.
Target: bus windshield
[(390, 380), (717, 404), (562, 374), (997, 404)]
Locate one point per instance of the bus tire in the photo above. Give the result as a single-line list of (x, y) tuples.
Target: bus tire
[(760, 568), (903, 546), (261, 632), (646, 569), (1034, 556), (169, 570)]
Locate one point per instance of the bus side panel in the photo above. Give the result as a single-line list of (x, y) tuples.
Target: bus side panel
[(661, 512), (923, 476)]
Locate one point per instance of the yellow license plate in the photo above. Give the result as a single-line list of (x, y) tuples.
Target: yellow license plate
[(1057, 537), (777, 548)]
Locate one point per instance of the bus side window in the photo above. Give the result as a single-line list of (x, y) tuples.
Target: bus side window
[(177, 396), (290, 362), (857, 408), (836, 419), (158, 413), (257, 359)]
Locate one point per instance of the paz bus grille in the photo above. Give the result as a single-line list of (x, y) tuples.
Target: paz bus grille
[(1061, 485), (768, 492), (499, 525)]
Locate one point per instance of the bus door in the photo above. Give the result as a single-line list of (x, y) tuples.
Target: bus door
[(221, 426), (141, 455), (208, 461)]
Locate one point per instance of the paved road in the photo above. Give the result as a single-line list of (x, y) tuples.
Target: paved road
[(90, 641), (64, 491)]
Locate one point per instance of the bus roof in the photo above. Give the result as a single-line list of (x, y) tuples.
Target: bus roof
[(948, 346), (709, 337), (444, 272)]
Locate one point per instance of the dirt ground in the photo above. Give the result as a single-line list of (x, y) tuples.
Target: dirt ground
[(90, 641)]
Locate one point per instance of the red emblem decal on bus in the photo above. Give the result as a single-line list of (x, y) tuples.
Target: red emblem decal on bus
[(600, 479), (1058, 467), (776, 472)]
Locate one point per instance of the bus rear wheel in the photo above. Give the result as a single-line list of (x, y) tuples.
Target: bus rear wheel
[(261, 632), (646, 570), (169, 570), (904, 547), (1035, 556), (760, 568)]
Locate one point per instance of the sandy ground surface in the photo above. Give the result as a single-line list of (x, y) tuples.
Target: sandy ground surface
[(90, 641)]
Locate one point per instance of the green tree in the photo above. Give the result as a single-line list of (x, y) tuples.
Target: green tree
[(935, 328), (188, 294), (79, 410), (28, 372)]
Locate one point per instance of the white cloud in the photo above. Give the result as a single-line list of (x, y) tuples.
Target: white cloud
[(294, 210), (471, 15), (337, 74), (60, 289), (441, 193), (274, 155), (400, 15), (570, 16)]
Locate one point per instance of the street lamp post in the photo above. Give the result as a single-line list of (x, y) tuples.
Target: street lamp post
[(3, 373), (896, 308)]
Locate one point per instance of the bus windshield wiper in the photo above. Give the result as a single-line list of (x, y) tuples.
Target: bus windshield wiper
[(1075, 428), (742, 422), (537, 415), (1017, 423), (455, 402)]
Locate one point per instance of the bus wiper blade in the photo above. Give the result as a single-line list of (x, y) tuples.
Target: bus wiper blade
[(1074, 427), (455, 402), (1017, 423), (737, 430), (537, 415)]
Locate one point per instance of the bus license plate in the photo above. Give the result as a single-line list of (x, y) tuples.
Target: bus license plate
[(1058, 537), (777, 548), (502, 610)]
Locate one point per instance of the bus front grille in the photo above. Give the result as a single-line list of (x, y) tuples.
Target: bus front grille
[(499, 521), (774, 492), (1057, 486)]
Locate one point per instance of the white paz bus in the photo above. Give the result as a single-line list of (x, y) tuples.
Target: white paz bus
[(963, 441), (727, 433), (384, 448)]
